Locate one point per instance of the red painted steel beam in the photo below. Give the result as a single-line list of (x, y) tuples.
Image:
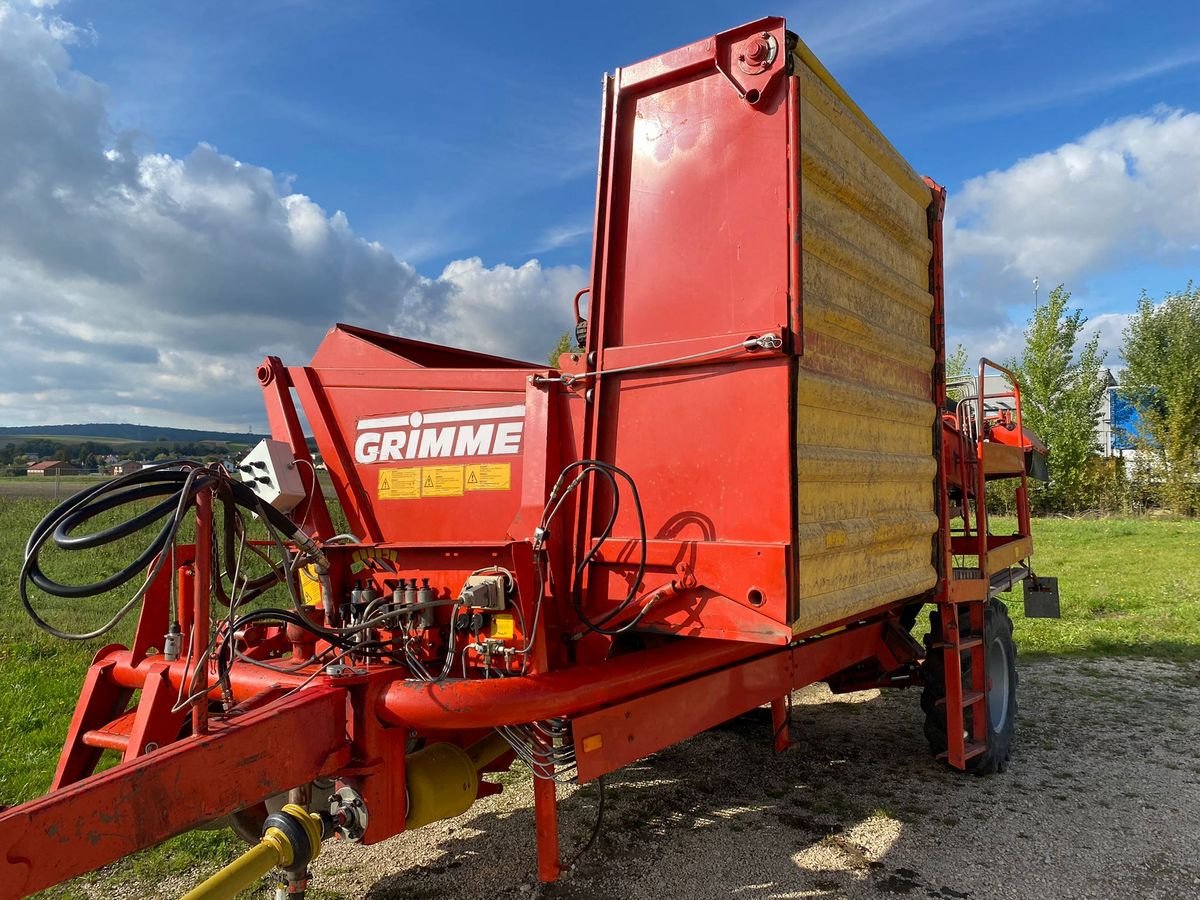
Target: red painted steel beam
[(245, 681), (135, 805), (615, 736), (489, 702)]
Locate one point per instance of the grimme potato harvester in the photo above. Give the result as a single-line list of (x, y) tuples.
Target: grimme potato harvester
[(749, 477)]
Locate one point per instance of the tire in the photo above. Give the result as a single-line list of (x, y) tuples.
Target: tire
[(909, 614), (1000, 655)]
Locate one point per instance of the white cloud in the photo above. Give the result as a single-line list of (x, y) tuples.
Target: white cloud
[(1049, 96), (137, 285), (1126, 193), (563, 236), (503, 306)]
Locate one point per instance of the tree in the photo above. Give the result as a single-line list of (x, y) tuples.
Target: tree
[(1162, 380), (564, 345), (957, 364), (1061, 392), (956, 367)]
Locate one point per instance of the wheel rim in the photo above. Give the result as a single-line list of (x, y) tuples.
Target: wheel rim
[(997, 670)]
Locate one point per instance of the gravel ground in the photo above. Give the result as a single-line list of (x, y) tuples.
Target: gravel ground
[(1102, 800)]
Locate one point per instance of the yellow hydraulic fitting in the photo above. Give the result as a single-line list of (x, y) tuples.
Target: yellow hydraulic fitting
[(443, 779), (291, 840)]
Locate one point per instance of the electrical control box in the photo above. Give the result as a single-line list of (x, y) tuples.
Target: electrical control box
[(484, 592), (271, 471)]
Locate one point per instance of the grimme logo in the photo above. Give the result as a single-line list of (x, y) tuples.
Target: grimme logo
[(494, 431)]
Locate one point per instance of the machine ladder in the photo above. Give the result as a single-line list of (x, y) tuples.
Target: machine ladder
[(977, 564)]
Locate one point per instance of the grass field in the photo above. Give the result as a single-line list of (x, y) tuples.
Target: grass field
[(43, 486), (1129, 587)]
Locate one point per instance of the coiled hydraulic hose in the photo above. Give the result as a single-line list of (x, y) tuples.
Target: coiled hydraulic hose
[(178, 481)]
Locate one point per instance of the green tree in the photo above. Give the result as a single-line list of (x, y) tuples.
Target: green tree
[(1061, 392), (957, 363), (1162, 380), (957, 366), (565, 344)]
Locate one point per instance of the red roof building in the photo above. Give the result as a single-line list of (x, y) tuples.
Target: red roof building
[(53, 467)]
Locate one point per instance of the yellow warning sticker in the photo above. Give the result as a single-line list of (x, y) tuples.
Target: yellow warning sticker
[(489, 477), (502, 626), (442, 481), (400, 484), (310, 585), (416, 482)]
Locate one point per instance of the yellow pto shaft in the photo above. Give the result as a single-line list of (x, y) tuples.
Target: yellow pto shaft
[(291, 839)]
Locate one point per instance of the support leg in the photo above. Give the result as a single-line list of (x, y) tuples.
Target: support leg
[(100, 701), (780, 720), (545, 813), (154, 725)]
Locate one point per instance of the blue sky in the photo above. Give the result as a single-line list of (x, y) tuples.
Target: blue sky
[(459, 142)]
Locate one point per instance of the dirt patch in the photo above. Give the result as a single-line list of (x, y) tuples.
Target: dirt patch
[(1102, 800)]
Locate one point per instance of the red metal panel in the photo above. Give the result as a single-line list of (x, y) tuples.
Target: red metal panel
[(698, 233), (372, 422), (285, 426), (698, 184), (105, 817)]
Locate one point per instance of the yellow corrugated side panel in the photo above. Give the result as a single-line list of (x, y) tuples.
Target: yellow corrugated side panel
[(864, 414)]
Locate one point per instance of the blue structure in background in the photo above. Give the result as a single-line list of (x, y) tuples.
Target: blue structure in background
[(1126, 424)]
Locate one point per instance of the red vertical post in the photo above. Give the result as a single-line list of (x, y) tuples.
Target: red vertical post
[(200, 617), (185, 588), (780, 739), (545, 813)]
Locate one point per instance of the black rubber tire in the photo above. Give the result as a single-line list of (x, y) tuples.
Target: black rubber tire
[(909, 614), (997, 638)]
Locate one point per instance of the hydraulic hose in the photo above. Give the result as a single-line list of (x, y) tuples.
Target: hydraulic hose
[(178, 481)]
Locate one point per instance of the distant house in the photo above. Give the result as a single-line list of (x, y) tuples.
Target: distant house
[(53, 467), (127, 467)]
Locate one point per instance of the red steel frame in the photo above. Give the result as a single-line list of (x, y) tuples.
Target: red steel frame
[(623, 703)]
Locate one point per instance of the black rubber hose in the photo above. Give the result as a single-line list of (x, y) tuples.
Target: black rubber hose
[(76, 517), (33, 571), (182, 480), (83, 497)]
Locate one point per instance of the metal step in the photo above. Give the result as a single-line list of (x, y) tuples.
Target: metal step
[(999, 583), (113, 736), (964, 644), (973, 749), (970, 698)]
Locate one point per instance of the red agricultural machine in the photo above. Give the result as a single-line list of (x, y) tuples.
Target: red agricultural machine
[(749, 477)]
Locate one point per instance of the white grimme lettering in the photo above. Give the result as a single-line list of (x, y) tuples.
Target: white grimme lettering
[(484, 439), (391, 445), (436, 442), (474, 440), (508, 437), (366, 448)]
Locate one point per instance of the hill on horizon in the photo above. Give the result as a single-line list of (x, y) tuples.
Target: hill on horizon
[(126, 432)]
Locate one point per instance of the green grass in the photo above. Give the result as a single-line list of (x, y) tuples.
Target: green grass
[(46, 486), (1129, 587), (40, 678)]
